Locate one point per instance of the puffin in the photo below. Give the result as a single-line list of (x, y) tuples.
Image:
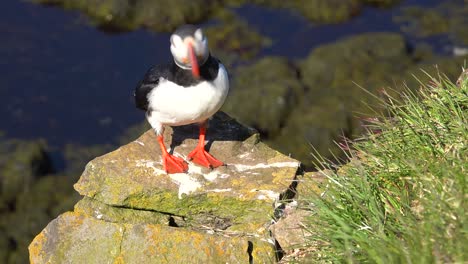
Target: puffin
[(188, 90)]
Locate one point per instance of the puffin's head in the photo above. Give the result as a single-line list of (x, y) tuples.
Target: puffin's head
[(189, 47)]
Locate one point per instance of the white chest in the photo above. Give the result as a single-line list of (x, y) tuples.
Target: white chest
[(175, 105)]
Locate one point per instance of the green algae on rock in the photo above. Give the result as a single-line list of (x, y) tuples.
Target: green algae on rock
[(233, 40), (329, 11), (159, 15), (322, 11), (449, 17), (270, 88)]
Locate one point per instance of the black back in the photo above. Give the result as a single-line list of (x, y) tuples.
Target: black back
[(173, 73)]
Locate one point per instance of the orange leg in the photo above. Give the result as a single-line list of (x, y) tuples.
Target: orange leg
[(171, 163), (199, 154)]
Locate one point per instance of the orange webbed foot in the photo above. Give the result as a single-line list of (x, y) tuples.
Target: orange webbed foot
[(201, 157), (173, 164)]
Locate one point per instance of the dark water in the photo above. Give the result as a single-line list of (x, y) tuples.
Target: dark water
[(65, 81), (294, 36)]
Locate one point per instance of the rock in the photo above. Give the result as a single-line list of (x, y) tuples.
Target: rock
[(133, 177), (289, 231), (133, 212), (310, 184), (79, 238)]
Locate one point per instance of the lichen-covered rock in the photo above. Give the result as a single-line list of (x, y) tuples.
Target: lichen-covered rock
[(133, 212), (79, 238), (242, 191), (289, 231)]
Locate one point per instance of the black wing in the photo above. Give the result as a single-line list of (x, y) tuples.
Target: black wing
[(149, 82)]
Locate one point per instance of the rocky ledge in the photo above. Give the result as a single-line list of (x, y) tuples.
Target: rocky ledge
[(133, 212)]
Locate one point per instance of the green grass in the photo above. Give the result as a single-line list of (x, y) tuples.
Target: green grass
[(401, 198)]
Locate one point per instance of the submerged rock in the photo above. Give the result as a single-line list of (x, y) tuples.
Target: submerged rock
[(29, 195), (160, 15), (329, 11), (270, 88), (450, 17), (121, 15), (233, 40), (133, 212), (21, 163)]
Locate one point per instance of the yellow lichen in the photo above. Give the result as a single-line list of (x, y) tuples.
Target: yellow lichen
[(35, 248)]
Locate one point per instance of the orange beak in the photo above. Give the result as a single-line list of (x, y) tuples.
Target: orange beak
[(194, 62)]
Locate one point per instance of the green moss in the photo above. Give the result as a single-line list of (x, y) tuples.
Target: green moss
[(245, 215), (114, 214)]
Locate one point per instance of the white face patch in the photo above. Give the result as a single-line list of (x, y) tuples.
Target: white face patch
[(176, 40), (178, 49), (180, 52), (199, 34)]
